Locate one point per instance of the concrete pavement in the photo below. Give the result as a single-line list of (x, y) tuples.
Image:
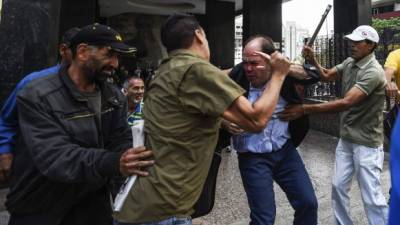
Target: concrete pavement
[(231, 208), (317, 151)]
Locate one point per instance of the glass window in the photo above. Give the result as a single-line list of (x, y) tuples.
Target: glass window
[(1, 4)]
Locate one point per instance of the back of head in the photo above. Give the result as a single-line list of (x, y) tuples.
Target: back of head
[(178, 31), (267, 44), (68, 35), (65, 55)]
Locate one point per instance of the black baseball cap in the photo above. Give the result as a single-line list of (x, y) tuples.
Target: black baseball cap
[(101, 35)]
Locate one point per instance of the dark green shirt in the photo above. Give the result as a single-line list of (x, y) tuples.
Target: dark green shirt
[(184, 104), (363, 123)]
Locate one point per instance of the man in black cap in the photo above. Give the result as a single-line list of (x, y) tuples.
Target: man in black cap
[(73, 138)]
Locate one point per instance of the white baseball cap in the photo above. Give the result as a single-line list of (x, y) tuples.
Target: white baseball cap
[(364, 32)]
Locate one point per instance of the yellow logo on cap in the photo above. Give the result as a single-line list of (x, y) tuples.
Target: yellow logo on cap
[(118, 37)]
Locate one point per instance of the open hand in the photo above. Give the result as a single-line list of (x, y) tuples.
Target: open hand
[(134, 160), (392, 91), (291, 112), (232, 127), (5, 167)]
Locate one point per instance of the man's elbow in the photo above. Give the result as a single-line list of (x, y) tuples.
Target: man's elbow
[(257, 126), (346, 104)]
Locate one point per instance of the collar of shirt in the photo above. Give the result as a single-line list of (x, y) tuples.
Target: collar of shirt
[(364, 61), (251, 88), (183, 52), (138, 107)]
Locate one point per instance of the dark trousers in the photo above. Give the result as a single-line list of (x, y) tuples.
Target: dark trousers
[(94, 208), (259, 170)]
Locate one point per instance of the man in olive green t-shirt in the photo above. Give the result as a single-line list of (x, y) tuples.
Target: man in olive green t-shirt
[(360, 150), (184, 105)]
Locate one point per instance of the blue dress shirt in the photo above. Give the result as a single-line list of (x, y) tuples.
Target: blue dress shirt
[(274, 135)]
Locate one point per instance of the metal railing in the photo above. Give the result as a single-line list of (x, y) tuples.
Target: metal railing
[(332, 50), (329, 51)]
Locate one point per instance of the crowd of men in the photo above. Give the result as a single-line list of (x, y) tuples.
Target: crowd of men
[(66, 141)]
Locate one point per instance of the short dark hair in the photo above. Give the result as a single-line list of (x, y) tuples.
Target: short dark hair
[(68, 35), (178, 31), (66, 38), (267, 44), (125, 86)]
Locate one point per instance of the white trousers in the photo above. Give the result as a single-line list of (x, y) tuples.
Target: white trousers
[(366, 164)]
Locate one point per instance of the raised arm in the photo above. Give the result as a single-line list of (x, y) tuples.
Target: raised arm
[(254, 117), (326, 74)]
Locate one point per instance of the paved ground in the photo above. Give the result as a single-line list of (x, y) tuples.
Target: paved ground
[(317, 152), (231, 208)]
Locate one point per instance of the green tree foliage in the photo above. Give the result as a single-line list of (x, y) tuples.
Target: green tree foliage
[(389, 34), (381, 24)]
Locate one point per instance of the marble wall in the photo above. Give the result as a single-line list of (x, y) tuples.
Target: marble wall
[(28, 39), (325, 122)]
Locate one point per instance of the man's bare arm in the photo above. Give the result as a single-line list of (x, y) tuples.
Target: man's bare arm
[(353, 97), (227, 71), (391, 87), (254, 117)]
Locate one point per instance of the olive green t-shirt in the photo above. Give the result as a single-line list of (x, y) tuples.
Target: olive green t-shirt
[(184, 104), (363, 123)]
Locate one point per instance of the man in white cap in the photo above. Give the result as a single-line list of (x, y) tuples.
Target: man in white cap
[(359, 151)]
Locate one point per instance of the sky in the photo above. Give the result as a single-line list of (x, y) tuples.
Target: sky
[(307, 14)]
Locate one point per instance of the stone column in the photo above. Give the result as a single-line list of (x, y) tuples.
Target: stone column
[(28, 36), (350, 14), (77, 13), (220, 29), (262, 17)]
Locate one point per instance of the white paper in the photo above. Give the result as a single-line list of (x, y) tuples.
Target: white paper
[(138, 140)]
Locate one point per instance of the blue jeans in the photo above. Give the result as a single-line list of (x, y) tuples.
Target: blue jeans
[(259, 170), (169, 221)]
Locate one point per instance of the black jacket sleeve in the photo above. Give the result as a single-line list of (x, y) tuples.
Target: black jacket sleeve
[(120, 135), (53, 152)]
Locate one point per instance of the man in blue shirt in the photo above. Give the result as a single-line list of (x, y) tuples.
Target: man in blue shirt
[(394, 216), (8, 114), (271, 155)]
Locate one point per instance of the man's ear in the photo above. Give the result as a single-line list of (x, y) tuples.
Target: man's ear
[(82, 52), (62, 49), (199, 36)]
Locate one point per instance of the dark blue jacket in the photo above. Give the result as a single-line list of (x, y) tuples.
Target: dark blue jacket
[(8, 115), (394, 215)]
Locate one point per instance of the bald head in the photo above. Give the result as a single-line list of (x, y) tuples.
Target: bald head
[(252, 63), (261, 43)]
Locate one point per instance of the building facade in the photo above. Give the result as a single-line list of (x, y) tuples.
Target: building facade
[(385, 9)]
